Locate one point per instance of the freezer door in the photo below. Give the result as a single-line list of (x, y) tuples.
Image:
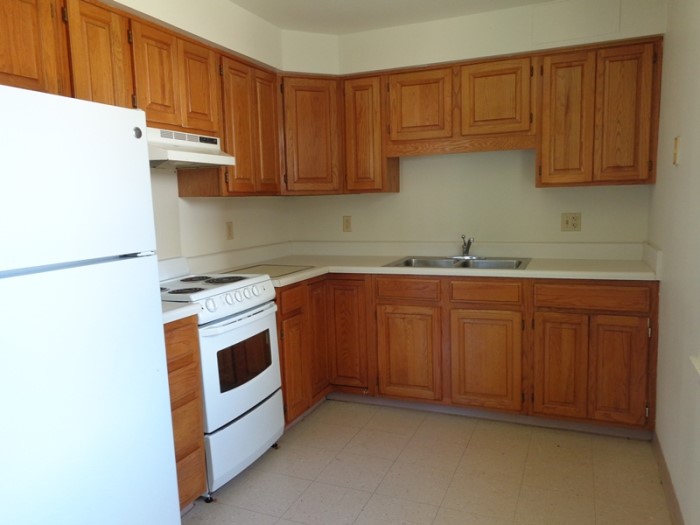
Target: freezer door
[(85, 412), (75, 180)]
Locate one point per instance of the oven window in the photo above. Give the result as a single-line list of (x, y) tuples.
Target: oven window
[(241, 362)]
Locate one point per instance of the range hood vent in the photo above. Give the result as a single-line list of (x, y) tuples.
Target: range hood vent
[(177, 149)]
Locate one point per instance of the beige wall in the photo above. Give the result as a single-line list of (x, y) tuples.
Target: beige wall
[(675, 229)]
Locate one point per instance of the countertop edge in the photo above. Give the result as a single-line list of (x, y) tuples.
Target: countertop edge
[(176, 311)]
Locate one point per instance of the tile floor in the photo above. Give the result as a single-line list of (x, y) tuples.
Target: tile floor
[(349, 463)]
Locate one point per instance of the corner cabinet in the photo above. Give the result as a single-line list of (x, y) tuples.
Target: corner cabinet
[(592, 357), (33, 46), (312, 135), (100, 54), (184, 377), (599, 116)]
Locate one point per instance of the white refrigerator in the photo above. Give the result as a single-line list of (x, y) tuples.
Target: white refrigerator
[(85, 428)]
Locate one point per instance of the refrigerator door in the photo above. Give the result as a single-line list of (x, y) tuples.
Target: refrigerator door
[(85, 419), (75, 180)]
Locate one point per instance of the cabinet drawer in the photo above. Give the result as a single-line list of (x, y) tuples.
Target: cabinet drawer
[(184, 385), (188, 429), (191, 477), (408, 288), (486, 291), (636, 299), (292, 299)]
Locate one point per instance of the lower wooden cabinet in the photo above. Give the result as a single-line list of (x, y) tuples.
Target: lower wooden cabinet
[(409, 351), (486, 353), (348, 331), (184, 377)]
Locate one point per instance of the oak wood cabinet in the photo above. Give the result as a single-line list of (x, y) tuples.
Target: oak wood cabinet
[(33, 46), (101, 59), (177, 80), (312, 135), (366, 167), (319, 368), (599, 113), (184, 377), (348, 337), (409, 336), (495, 97), (592, 355)]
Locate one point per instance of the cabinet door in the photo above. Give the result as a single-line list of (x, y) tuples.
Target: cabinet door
[(561, 364), (363, 138), (157, 74), (312, 134), (347, 331), (294, 366), (487, 358), (420, 104), (618, 369), (623, 113), (239, 101), (319, 366), (496, 97), (200, 88), (30, 46), (267, 132), (568, 102), (100, 54), (409, 344)]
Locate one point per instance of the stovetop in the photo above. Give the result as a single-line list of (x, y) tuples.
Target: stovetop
[(218, 295)]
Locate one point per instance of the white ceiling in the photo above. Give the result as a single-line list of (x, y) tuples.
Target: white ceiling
[(351, 16)]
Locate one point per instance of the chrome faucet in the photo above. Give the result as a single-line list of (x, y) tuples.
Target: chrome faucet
[(466, 244)]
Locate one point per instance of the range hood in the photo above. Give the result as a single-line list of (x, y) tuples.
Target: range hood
[(177, 149)]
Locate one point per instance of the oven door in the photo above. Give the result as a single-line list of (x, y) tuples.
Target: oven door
[(240, 364)]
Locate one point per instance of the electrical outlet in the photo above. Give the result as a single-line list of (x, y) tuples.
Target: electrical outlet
[(347, 223), (571, 222), (229, 230)]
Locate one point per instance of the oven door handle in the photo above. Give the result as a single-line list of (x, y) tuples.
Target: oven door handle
[(238, 321)]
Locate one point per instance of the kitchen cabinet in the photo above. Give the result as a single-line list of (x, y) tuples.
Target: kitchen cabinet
[(312, 135), (409, 337), (348, 332), (319, 367), (495, 97), (33, 46), (486, 340), (101, 59), (420, 104), (599, 116), (177, 80), (367, 168), (184, 377), (592, 356)]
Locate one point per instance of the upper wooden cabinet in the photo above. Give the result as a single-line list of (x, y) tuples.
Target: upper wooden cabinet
[(420, 105), (33, 46), (367, 168), (100, 54), (599, 115), (495, 97), (251, 129), (313, 136), (177, 80)]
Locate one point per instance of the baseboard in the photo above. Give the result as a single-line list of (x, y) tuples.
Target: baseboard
[(674, 509)]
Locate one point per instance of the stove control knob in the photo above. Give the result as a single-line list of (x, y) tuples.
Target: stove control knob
[(256, 292), (247, 293), (210, 305), (228, 298), (238, 296)]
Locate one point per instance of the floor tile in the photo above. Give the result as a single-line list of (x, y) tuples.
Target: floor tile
[(556, 445), (396, 420), (551, 507), (416, 482), (354, 471), (296, 461), (559, 474), (609, 513), (217, 513), (264, 492), (444, 455), (323, 504), (321, 435), (501, 436), (454, 517), (483, 495), (493, 462), (444, 427), (387, 510), (342, 413), (376, 443)]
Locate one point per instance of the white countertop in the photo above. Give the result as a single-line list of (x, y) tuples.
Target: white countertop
[(625, 270), (176, 311)]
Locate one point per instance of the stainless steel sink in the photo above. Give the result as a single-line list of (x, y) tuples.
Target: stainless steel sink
[(493, 263)]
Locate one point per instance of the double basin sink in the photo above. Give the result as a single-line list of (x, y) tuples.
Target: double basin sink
[(486, 263)]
